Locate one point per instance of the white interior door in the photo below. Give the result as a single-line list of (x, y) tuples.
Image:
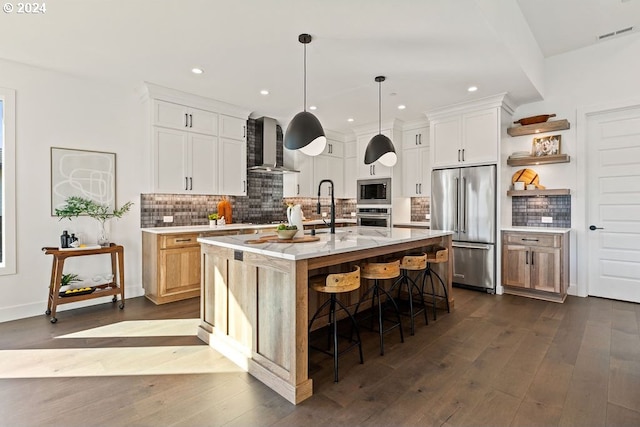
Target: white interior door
[(613, 140)]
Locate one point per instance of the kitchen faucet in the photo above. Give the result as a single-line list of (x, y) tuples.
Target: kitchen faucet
[(333, 205)]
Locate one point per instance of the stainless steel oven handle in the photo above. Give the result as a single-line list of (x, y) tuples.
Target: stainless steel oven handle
[(472, 246)]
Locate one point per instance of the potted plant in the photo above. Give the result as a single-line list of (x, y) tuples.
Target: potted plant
[(67, 280), (213, 219), (76, 206)]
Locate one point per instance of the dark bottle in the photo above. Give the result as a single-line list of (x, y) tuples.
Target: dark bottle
[(73, 238), (64, 239)]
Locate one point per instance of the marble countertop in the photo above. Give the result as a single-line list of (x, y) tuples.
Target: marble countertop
[(346, 239), (232, 227), (552, 230), (419, 224)]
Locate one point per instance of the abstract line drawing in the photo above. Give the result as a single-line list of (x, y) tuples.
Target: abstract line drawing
[(83, 173)]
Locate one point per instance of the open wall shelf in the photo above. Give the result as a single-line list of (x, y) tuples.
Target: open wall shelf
[(538, 160), (532, 193), (539, 128)]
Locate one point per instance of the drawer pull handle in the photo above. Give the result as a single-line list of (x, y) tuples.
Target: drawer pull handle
[(530, 240), (183, 240)]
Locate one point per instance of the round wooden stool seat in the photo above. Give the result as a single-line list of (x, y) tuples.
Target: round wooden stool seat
[(332, 284), (437, 254), (414, 262), (381, 270), (408, 263), (377, 271), (336, 283)]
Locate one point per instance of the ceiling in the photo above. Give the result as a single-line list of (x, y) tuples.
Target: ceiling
[(431, 51)]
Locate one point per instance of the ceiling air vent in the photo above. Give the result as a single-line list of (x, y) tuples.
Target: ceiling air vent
[(615, 33)]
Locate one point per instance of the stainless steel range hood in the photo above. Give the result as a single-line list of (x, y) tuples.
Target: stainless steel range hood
[(266, 142)]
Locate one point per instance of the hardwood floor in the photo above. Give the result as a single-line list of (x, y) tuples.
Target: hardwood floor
[(495, 360)]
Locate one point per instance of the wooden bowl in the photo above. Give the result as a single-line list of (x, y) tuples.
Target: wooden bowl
[(534, 119)]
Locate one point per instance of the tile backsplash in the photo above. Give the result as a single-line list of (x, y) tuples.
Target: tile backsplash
[(420, 207), (528, 211)]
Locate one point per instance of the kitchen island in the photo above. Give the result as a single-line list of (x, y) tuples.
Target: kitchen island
[(255, 300)]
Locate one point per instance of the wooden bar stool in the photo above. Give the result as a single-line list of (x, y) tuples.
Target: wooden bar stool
[(436, 255), (412, 263), (333, 284), (377, 272)]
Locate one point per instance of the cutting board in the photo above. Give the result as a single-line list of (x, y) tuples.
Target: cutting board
[(528, 176), (275, 239)]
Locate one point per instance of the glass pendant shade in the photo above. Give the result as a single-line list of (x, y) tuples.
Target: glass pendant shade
[(380, 148), (305, 133)]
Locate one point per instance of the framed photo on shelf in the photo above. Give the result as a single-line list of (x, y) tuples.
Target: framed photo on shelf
[(546, 146)]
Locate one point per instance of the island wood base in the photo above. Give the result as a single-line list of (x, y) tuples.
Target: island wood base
[(255, 308)]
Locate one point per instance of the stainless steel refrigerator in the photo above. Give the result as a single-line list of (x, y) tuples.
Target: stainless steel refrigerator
[(463, 200)]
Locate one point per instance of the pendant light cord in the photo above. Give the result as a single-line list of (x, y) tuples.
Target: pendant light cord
[(304, 107), (380, 108)]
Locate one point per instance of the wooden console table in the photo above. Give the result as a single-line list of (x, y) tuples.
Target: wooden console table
[(115, 287)]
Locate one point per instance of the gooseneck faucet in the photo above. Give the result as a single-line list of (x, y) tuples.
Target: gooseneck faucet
[(333, 205)]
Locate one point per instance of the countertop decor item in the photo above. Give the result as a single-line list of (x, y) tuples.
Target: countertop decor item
[(534, 119), (294, 217), (380, 148), (527, 176), (305, 133), (76, 206), (225, 211)]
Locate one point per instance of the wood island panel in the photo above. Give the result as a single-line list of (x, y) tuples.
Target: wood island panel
[(255, 308)]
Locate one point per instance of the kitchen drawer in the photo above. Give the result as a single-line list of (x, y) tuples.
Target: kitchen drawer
[(532, 239), (178, 240)]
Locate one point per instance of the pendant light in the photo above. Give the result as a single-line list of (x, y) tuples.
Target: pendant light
[(305, 132), (380, 148)]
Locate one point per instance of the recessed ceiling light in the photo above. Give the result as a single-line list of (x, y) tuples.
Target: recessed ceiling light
[(197, 70), (401, 107), (472, 88), (349, 119), (264, 92), (312, 107)]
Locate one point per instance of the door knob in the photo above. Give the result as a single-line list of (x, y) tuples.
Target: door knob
[(593, 227)]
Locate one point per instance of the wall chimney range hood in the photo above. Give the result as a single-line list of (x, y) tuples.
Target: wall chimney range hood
[(266, 145)]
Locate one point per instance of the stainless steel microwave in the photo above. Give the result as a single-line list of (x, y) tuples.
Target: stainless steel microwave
[(374, 191)]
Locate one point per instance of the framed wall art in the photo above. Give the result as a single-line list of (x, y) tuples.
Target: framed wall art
[(546, 146), (83, 173)]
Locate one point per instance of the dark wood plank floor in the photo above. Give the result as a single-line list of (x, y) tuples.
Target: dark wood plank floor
[(495, 361)]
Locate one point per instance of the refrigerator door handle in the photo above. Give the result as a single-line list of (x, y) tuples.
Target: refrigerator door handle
[(455, 227), (464, 205)]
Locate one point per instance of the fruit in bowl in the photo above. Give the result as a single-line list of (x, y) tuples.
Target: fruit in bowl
[(286, 231)]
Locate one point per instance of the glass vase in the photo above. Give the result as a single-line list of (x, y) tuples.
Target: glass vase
[(103, 234)]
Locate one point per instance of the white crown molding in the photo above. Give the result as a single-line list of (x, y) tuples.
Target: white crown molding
[(395, 124), (500, 100), (153, 91)]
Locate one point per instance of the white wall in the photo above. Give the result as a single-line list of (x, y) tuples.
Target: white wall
[(54, 109), (592, 78)]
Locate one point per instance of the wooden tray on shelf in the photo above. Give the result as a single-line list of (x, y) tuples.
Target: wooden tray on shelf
[(275, 239)]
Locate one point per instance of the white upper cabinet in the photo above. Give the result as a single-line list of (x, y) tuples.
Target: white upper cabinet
[(198, 145), (350, 171), (467, 134), (416, 164), (233, 127), (233, 167), (298, 184), (328, 167), (181, 117), (183, 162), (415, 138), (334, 149)]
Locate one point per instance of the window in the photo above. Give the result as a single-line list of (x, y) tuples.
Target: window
[(7, 182)]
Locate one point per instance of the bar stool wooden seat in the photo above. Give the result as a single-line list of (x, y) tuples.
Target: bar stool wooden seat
[(413, 263), (333, 284), (436, 255), (377, 272)]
